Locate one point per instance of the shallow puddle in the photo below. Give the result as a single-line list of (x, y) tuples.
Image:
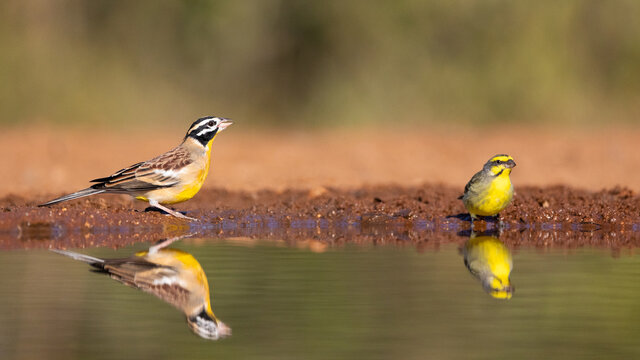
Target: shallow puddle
[(318, 300), (362, 229)]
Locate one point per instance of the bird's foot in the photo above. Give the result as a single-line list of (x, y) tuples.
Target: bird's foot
[(177, 214), (166, 242), (181, 215), (501, 224)]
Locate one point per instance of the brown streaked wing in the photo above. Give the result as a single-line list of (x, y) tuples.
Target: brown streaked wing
[(155, 171), (137, 185), (173, 293), (125, 270), (120, 174), (147, 176), (126, 180), (174, 159), (141, 274)]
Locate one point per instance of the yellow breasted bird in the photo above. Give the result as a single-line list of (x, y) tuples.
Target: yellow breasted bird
[(490, 190), (489, 260), (170, 178), (172, 275)]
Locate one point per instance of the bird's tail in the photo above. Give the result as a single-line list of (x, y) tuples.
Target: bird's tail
[(75, 195), (81, 257)]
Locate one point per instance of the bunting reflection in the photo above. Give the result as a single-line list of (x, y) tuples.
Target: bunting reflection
[(489, 260), (172, 275)]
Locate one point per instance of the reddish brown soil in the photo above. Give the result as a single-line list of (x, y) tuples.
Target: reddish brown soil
[(293, 186), (424, 215)]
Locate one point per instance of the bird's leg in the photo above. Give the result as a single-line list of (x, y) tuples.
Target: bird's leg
[(166, 242), (156, 204), (500, 223)]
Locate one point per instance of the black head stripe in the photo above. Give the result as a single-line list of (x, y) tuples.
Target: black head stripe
[(198, 124), (497, 160), (203, 129), (203, 316)]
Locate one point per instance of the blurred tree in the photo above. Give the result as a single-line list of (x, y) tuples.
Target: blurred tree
[(309, 62)]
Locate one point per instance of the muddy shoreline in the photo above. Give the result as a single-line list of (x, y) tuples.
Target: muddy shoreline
[(423, 216)]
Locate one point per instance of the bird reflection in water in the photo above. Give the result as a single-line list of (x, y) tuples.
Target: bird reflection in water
[(172, 275), (489, 260)]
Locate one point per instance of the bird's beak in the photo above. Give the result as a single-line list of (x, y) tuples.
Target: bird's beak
[(511, 163), (506, 293), (224, 124)]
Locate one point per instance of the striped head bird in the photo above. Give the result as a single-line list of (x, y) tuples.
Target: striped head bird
[(172, 275), (490, 190), (489, 260), (170, 178)]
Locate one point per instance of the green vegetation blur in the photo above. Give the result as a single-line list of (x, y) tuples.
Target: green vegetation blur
[(309, 63)]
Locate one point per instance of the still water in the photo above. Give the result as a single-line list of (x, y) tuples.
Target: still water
[(348, 302)]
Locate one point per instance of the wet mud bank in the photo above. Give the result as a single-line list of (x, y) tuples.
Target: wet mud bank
[(423, 216)]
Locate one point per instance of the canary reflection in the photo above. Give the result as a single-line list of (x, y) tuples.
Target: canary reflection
[(172, 275), (489, 260)]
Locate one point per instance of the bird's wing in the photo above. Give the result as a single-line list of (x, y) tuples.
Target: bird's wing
[(473, 182), (159, 172), (473, 266), (166, 284), (125, 174), (163, 170), (160, 280), (125, 270)]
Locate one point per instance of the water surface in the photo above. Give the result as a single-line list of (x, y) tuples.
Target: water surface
[(366, 302)]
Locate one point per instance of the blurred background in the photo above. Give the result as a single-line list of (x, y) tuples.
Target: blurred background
[(319, 63)]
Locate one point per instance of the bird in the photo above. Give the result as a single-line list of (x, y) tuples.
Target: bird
[(170, 178), (489, 260), (490, 190), (172, 275)]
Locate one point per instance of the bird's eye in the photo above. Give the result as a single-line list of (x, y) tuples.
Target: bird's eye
[(211, 123), (498, 162)]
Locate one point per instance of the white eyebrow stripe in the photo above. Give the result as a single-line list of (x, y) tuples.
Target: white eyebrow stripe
[(204, 131), (201, 123)]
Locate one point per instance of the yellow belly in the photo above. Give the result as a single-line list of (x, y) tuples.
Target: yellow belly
[(178, 193), (490, 202)]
